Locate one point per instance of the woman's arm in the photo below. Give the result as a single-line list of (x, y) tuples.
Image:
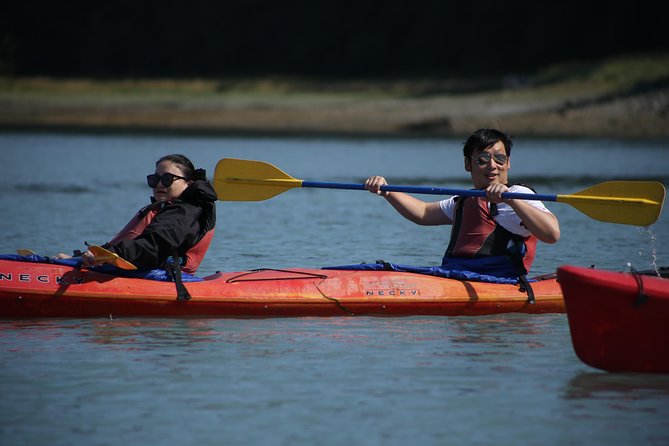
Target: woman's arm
[(169, 230)]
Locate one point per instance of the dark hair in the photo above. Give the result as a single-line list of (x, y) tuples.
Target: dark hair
[(189, 171), (481, 139)]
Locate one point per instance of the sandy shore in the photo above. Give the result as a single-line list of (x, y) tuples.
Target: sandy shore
[(531, 111)]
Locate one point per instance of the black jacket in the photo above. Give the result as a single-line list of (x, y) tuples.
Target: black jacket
[(177, 227)]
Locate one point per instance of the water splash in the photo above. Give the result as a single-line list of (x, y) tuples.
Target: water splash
[(648, 254)]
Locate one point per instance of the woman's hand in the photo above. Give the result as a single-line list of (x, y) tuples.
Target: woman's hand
[(88, 260)]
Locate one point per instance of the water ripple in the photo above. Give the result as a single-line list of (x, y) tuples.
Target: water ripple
[(42, 188)]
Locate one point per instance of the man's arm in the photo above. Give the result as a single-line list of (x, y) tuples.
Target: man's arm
[(411, 208), (543, 225)]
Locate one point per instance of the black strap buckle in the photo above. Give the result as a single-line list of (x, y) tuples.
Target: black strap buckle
[(174, 269)]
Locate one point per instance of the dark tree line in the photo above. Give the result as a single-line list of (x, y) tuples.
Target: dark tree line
[(163, 38)]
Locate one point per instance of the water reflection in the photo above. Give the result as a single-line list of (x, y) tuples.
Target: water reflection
[(151, 333), (144, 333), (357, 332), (503, 329), (617, 385)]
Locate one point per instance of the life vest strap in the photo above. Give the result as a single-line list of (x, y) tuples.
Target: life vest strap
[(174, 268)]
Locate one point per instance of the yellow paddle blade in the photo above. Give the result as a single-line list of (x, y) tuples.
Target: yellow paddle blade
[(247, 180), (104, 256), (25, 252), (636, 203)]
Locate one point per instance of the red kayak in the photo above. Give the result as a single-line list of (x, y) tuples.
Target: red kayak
[(47, 290), (619, 322)]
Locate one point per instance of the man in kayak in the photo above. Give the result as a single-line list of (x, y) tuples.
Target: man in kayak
[(489, 230), (179, 223)]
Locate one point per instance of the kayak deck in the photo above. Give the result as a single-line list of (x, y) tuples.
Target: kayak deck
[(47, 290)]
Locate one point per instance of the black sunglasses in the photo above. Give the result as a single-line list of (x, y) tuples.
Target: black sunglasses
[(484, 158), (166, 179)]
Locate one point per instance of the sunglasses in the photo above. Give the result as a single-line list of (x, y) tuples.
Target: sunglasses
[(165, 179), (484, 158)]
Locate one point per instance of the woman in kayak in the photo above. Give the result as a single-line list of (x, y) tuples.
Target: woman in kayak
[(179, 223), (483, 227)]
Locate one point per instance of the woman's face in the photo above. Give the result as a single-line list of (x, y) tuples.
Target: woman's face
[(174, 190)]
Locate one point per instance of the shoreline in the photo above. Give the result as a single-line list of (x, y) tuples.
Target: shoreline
[(609, 102), (631, 117)]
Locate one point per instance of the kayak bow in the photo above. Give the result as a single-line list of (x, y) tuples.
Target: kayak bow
[(618, 321)]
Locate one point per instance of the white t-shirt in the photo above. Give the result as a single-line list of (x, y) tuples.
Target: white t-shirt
[(506, 216)]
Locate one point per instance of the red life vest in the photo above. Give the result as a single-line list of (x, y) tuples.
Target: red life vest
[(475, 234), (193, 257)]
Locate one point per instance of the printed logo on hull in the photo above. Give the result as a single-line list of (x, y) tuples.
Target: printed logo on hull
[(40, 278), (391, 288)]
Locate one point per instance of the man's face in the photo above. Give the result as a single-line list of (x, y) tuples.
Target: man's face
[(489, 166)]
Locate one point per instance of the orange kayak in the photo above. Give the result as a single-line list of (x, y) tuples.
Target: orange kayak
[(30, 290), (619, 322)]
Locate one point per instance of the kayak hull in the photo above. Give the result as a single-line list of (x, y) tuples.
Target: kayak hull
[(45, 290), (613, 327)]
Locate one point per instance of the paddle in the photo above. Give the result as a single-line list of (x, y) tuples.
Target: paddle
[(101, 256), (636, 203), (104, 256)]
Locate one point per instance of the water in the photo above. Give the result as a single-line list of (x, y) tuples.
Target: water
[(508, 379)]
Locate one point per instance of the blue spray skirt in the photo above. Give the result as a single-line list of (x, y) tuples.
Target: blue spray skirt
[(75, 262), (498, 269)]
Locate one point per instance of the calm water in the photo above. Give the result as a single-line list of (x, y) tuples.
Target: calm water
[(509, 379)]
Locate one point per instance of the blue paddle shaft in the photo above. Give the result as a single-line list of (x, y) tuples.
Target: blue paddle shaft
[(428, 190)]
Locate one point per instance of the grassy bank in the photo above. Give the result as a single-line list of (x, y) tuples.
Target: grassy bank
[(624, 97)]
